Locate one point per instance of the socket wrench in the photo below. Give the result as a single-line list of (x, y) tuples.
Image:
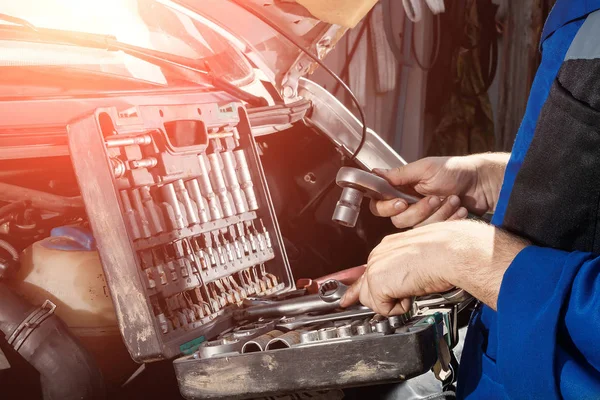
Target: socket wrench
[(357, 184), (328, 299)]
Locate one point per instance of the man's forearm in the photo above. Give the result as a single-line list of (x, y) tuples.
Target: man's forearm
[(490, 170), (491, 254)]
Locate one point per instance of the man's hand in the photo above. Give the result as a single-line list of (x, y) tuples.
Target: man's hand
[(466, 254), (452, 187)]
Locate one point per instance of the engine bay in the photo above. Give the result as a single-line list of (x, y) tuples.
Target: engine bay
[(203, 231)]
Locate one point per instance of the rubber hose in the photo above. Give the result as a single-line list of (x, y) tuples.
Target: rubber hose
[(67, 371), (38, 199)]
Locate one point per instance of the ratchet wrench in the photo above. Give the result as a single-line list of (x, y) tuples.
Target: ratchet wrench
[(456, 296), (328, 299)]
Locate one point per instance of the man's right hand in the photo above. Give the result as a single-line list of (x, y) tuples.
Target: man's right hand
[(451, 186)]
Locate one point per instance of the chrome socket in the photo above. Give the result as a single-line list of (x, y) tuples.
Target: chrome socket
[(193, 189), (184, 198), (207, 191), (232, 182), (245, 179), (218, 181), (172, 203)]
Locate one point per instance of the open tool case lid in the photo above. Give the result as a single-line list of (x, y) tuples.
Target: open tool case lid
[(139, 172)]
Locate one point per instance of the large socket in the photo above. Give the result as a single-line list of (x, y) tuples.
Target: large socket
[(179, 206)]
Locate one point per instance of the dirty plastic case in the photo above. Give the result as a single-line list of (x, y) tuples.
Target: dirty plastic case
[(173, 219)]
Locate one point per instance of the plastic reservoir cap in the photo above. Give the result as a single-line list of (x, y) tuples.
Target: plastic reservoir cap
[(70, 238)]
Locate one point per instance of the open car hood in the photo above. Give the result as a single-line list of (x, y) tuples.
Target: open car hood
[(282, 62)]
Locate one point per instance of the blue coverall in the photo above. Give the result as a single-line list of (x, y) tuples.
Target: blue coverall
[(544, 340)]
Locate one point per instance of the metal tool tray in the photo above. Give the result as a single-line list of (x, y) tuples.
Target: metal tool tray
[(339, 364)]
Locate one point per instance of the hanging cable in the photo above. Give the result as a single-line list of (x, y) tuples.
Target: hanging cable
[(244, 4), (436, 52), (352, 53)]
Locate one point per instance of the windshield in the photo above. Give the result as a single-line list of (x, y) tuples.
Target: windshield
[(144, 23)]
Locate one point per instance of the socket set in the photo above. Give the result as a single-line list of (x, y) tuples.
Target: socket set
[(182, 217), (274, 335), (336, 350), (195, 264)]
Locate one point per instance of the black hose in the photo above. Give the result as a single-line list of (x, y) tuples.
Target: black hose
[(67, 371), (7, 212), (42, 200)]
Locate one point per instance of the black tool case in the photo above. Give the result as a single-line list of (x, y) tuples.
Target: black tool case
[(186, 231)]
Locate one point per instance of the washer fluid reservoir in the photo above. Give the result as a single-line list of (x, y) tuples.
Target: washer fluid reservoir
[(65, 269)]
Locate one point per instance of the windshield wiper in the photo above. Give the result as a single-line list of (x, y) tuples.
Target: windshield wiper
[(183, 65)]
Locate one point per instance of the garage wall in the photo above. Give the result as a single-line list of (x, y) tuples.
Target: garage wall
[(377, 88)]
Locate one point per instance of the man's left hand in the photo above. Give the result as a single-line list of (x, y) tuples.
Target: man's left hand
[(470, 255)]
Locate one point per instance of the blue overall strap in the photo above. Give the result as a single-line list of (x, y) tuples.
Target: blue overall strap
[(565, 11)]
